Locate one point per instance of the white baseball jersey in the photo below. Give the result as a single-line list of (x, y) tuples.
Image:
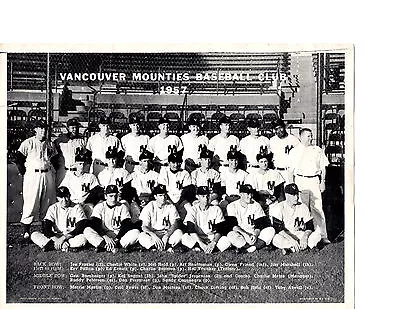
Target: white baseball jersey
[(163, 147), (99, 144), (281, 147), (233, 180), (117, 176), (207, 178), (79, 186), (144, 182), (68, 147), (307, 161), (111, 217), (252, 145), (294, 218), (174, 182), (37, 153), (134, 145), (159, 219), (221, 145), (192, 146), (265, 181), (64, 218), (245, 215), (204, 220)]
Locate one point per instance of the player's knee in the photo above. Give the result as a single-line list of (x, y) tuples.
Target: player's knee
[(175, 237), (145, 240), (236, 239), (188, 240), (314, 239), (223, 243), (267, 234)]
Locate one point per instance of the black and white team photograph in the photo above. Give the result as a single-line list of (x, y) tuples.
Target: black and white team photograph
[(178, 177)]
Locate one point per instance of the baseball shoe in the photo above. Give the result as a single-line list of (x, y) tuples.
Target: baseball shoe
[(73, 249), (241, 250), (251, 249), (313, 250), (49, 246), (114, 250), (181, 248), (325, 241), (285, 251), (65, 247), (170, 250), (196, 249)]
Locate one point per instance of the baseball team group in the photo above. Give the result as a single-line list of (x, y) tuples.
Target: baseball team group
[(173, 193)]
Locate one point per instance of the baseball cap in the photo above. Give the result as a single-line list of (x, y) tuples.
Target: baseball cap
[(62, 192), (159, 189), (224, 119), (278, 123), (134, 119), (203, 190), (175, 157), (206, 154), (194, 122), (146, 155), (104, 120), (73, 123), (111, 189), (111, 153), (264, 155), (232, 155), (163, 120), (40, 124), (246, 189), (253, 123), (291, 189)]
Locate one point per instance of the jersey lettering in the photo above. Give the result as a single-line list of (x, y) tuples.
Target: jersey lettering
[(251, 219), (166, 221), (172, 149), (233, 148), (263, 149), (211, 224), (288, 148), (116, 221), (202, 147), (119, 182), (85, 187), (143, 148), (179, 185), (271, 185), (71, 222), (299, 224), (238, 184), (210, 183), (150, 184)]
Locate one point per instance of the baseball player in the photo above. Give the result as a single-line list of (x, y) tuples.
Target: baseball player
[(163, 144), (253, 144), (39, 190), (281, 144), (62, 226), (110, 225), (193, 143), (144, 179), (84, 187), (307, 169), (134, 144), (203, 222), (98, 145), (293, 223), (267, 183), (231, 180), (253, 228), (223, 142), (178, 183), (205, 175), (160, 221), (66, 145)]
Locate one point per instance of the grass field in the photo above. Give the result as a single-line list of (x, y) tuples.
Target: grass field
[(259, 277)]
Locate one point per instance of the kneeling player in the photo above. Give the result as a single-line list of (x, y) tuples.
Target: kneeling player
[(160, 221), (111, 224), (252, 230), (63, 225), (204, 224), (293, 223)]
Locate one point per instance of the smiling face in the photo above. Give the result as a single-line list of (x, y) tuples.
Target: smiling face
[(280, 131), (174, 166), (40, 133), (74, 130), (246, 197), (253, 131), (112, 199), (111, 162), (225, 127), (164, 128), (306, 138), (64, 201), (203, 200), (292, 199), (134, 128), (144, 164), (79, 167), (263, 163), (233, 163), (205, 163), (160, 198), (194, 129), (104, 128)]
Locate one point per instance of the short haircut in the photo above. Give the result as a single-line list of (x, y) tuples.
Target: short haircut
[(304, 130)]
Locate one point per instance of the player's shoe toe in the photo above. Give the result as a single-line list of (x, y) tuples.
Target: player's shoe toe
[(251, 249)]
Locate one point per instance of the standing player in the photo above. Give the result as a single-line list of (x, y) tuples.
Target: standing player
[(144, 179), (253, 144), (163, 144), (84, 187), (267, 183), (307, 169), (204, 222), (205, 175), (110, 225), (63, 225), (134, 144), (160, 221), (39, 190), (66, 145), (293, 223), (223, 142), (252, 230), (193, 143), (281, 144), (98, 145)]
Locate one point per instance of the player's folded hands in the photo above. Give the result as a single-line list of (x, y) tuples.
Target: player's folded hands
[(110, 243), (58, 243), (158, 243)]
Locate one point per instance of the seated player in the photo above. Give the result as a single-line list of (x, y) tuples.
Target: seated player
[(231, 180), (84, 187), (160, 221), (252, 229), (62, 226), (205, 175), (177, 182), (267, 183), (203, 222), (110, 225), (293, 223), (144, 179)]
